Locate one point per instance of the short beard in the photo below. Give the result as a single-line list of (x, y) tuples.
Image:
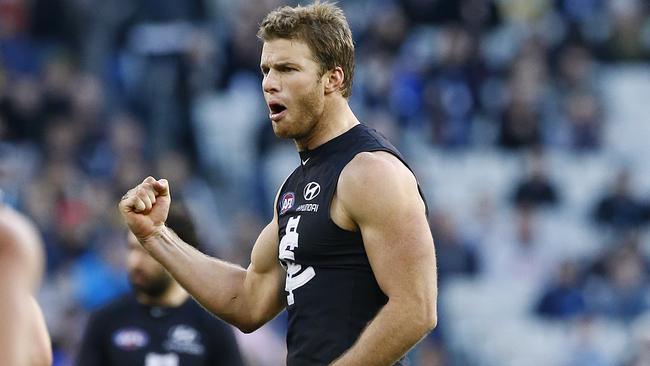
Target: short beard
[(154, 288), (311, 112)]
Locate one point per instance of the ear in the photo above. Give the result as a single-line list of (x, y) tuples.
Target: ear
[(333, 80)]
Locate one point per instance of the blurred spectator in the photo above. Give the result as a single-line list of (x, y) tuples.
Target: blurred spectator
[(476, 14), (521, 119), (57, 82), (577, 70), (456, 256), (523, 11), (522, 254), (20, 109), (585, 18), (618, 208), (536, 189), (120, 141), (426, 11), (640, 355), (622, 292), (52, 21), (584, 121), (242, 53), (563, 298), (584, 343), (624, 41), (479, 15), (387, 31), (579, 123), (520, 126), (455, 83), (17, 51), (164, 41)]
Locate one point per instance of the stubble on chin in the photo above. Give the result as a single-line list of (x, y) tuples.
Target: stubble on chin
[(290, 130), (303, 120), (281, 132)]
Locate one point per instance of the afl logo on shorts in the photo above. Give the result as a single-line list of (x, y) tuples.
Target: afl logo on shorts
[(312, 189), (287, 201)]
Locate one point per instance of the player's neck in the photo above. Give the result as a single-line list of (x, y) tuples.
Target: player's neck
[(174, 296), (337, 119)]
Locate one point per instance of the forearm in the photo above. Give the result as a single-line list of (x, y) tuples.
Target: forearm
[(390, 335), (215, 284)]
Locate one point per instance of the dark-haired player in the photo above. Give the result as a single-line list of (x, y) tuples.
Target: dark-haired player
[(158, 324)]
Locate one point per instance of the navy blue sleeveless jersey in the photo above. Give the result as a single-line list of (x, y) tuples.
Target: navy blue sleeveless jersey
[(332, 293), (126, 332)]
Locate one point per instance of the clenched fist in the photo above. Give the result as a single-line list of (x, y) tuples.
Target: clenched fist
[(145, 207)]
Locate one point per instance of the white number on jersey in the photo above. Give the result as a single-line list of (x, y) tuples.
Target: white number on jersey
[(289, 242), (155, 359)]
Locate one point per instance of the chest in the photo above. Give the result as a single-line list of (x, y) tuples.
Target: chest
[(309, 231), (166, 342)]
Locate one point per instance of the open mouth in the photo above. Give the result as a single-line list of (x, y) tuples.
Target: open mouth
[(277, 111)]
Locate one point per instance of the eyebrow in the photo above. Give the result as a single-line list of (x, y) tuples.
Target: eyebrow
[(281, 64)]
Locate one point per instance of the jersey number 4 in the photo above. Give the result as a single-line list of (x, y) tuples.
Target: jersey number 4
[(296, 276)]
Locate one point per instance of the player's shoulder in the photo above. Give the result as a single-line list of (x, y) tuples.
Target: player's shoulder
[(18, 233), (13, 221), (371, 168), (374, 182), (21, 249)]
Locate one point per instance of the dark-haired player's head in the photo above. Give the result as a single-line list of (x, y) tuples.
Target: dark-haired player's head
[(146, 275), (307, 57)]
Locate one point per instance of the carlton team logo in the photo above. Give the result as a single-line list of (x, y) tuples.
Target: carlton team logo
[(287, 201)]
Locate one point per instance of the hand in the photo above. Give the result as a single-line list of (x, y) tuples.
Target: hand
[(145, 207)]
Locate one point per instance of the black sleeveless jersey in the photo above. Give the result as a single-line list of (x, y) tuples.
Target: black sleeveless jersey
[(126, 332), (332, 293)]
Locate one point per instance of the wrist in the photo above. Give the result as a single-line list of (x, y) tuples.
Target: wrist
[(157, 233)]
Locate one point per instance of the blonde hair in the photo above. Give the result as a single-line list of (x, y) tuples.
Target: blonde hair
[(325, 30)]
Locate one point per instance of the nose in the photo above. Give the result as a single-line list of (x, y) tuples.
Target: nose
[(270, 83)]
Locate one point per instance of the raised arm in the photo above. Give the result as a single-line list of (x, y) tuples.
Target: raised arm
[(379, 196), (245, 298)]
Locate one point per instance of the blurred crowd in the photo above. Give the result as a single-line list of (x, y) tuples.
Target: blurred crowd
[(97, 95)]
